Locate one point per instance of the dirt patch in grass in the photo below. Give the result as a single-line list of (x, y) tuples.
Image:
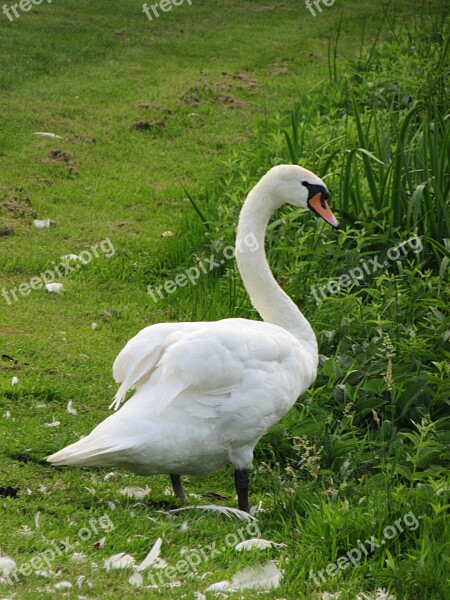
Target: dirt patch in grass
[(6, 230), (17, 205), (60, 155), (148, 126), (229, 100)]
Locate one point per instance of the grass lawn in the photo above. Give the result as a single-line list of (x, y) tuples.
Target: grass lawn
[(193, 100)]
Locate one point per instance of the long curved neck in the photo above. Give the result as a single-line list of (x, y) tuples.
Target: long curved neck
[(273, 305)]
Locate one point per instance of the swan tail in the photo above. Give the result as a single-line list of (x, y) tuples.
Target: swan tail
[(88, 452)]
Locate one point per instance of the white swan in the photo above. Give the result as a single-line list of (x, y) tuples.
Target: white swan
[(206, 392)]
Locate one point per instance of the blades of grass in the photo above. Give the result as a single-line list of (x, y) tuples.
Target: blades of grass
[(291, 148), (414, 205), (326, 166), (361, 48), (358, 195), (439, 151), (295, 126), (375, 42), (346, 178), (335, 49), (370, 155), (437, 246), (196, 208), (401, 166), (294, 143), (365, 155), (442, 270), (330, 71)]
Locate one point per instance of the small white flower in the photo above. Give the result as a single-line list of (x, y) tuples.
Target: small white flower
[(94, 326), (70, 257), (14, 381), (25, 530), (167, 234), (78, 557)]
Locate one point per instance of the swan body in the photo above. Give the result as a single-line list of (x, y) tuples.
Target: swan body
[(206, 392)]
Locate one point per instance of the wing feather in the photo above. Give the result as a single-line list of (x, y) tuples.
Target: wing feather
[(137, 361), (227, 369)]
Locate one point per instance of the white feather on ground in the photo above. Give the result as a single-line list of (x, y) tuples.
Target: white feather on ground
[(259, 543), (63, 585), (119, 561), (6, 564), (135, 492), (54, 287), (265, 577), (70, 409), (124, 561), (224, 510), (151, 557), (42, 223), (380, 594), (47, 134), (136, 580)]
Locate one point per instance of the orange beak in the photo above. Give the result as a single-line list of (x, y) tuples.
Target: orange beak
[(321, 208)]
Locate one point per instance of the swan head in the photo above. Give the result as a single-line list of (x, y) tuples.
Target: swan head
[(295, 185)]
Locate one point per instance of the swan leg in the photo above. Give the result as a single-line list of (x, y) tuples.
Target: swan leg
[(177, 486), (241, 483)]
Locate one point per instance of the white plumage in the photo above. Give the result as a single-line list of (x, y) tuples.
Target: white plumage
[(206, 392)]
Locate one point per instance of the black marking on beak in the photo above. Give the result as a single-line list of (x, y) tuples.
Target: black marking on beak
[(314, 189)]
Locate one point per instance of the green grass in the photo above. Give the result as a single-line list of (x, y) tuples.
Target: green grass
[(229, 90)]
